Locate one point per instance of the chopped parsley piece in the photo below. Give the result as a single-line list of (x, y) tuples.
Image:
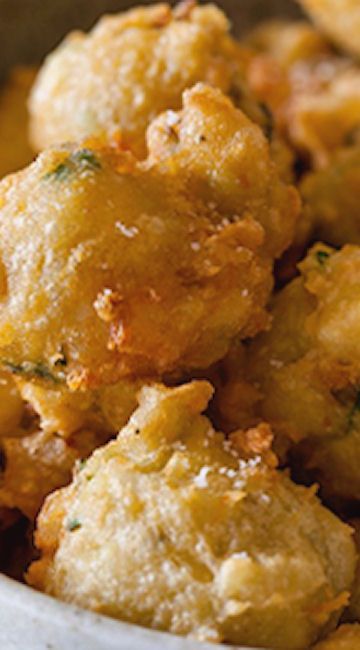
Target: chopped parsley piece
[(73, 524), (31, 370), (321, 257), (83, 159)]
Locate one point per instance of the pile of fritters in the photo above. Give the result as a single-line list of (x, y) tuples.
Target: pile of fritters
[(183, 258)]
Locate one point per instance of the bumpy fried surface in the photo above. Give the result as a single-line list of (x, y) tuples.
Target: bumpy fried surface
[(288, 42), (38, 463), (64, 412), (173, 527), (15, 150), (109, 267), (45, 430), (307, 368), (347, 637), (340, 19), (132, 66), (332, 201), (352, 612), (314, 95)]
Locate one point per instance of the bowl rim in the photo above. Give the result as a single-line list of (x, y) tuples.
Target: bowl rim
[(111, 634)]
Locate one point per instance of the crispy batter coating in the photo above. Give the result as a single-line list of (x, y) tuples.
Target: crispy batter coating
[(64, 412), (340, 20), (307, 368), (44, 430), (314, 94), (173, 527), (346, 637), (38, 463), (110, 267), (332, 201), (15, 150), (288, 41), (131, 67), (352, 612)]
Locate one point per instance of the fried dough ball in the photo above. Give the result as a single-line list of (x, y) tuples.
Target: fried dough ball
[(332, 201), (65, 412), (131, 67), (346, 637), (38, 463), (173, 527), (15, 150), (340, 19), (352, 612), (315, 99), (111, 268), (288, 41), (307, 368)]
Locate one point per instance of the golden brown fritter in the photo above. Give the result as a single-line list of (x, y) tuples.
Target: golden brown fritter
[(110, 268), (340, 20), (173, 527), (307, 368), (346, 637), (288, 41), (332, 201), (131, 67), (38, 463), (314, 95), (15, 150)]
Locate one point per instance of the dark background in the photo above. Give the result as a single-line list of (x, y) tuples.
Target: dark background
[(31, 28)]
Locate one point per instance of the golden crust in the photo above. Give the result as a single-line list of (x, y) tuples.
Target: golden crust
[(346, 637), (96, 269), (339, 19), (307, 369), (237, 551), (131, 67)]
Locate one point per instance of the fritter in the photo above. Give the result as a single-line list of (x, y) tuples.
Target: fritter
[(36, 464), (346, 637), (313, 93), (112, 268), (174, 527), (340, 20), (132, 66), (306, 370), (332, 201)]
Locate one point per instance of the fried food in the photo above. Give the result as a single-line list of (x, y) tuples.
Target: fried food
[(174, 527), (307, 369), (38, 463), (15, 150), (340, 20), (314, 94), (131, 67), (65, 412), (346, 637), (288, 41), (111, 268), (332, 201)]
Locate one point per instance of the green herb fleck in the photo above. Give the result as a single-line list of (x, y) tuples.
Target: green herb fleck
[(83, 159), (73, 524), (31, 370), (81, 463), (321, 257)]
